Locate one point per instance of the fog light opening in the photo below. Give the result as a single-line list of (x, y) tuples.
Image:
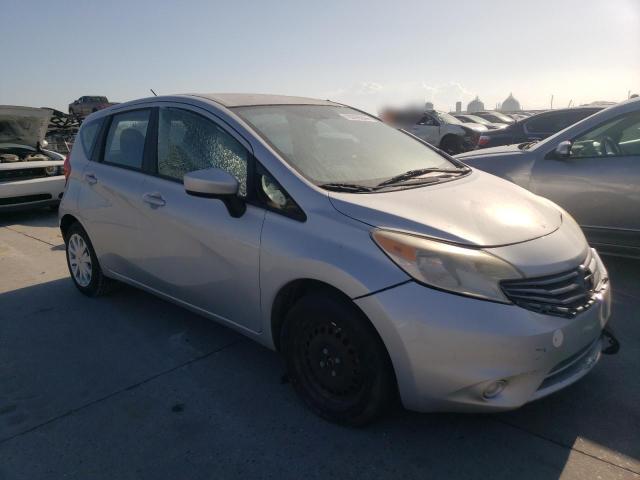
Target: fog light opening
[(493, 390)]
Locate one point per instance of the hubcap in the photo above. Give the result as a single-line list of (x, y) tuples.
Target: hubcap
[(332, 361), (79, 260)]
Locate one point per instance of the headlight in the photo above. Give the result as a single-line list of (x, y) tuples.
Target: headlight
[(467, 271)]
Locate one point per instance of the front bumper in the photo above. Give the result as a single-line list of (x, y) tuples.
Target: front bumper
[(37, 192), (447, 350)]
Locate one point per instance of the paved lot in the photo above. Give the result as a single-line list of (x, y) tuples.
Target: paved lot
[(129, 386)]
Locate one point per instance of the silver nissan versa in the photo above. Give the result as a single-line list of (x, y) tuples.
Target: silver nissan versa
[(377, 265)]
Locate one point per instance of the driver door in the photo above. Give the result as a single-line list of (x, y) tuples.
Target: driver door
[(196, 252), (599, 182)]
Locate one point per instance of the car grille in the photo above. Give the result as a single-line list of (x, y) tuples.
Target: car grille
[(564, 294), (22, 174)]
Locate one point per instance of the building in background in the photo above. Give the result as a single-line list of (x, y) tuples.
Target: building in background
[(458, 107), (475, 105), (511, 105)]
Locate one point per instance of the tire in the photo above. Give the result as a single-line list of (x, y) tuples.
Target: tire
[(451, 144), (336, 361), (83, 263)]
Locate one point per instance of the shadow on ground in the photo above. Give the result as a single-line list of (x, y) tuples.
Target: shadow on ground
[(132, 377), (129, 386)]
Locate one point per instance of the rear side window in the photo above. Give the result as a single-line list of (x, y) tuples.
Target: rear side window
[(542, 123), (88, 134), (126, 139), (554, 122)]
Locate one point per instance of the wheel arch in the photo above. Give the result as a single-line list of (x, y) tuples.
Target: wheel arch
[(65, 223), (449, 136), (291, 292)]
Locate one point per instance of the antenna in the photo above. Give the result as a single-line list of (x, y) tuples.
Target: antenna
[(154, 93)]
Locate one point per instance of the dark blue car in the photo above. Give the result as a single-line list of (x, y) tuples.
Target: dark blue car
[(536, 127)]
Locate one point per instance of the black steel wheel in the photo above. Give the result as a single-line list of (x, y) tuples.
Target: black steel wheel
[(336, 361)]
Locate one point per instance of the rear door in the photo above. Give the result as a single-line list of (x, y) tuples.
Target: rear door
[(195, 251), (111, 193), (599, 183)]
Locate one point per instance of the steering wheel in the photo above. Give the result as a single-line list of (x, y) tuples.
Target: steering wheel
[(609, 147)]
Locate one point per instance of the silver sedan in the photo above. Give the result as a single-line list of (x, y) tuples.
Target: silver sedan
[(592, 169)]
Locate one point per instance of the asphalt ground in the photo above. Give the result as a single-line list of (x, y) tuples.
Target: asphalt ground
[(129, 386)]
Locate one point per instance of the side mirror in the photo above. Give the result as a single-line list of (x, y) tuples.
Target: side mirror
[(216, 183), (563, 150)]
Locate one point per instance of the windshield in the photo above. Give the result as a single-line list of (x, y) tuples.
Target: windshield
[(447, 118), (333, 144)]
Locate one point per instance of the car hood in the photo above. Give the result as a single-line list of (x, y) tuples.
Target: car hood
[(23, 125), (486, 152), (479, 210)]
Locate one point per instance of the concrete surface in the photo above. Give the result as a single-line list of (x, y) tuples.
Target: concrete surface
[(129, 386)]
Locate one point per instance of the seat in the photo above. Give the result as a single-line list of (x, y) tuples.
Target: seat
[(131, 147)]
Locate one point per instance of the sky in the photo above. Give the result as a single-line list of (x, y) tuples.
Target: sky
[(367, 54)]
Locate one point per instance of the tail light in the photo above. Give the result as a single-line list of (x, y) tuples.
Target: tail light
[(483, 140), (66, 167)]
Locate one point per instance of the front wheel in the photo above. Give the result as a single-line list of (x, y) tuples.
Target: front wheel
[(83, 263), (336, 361)]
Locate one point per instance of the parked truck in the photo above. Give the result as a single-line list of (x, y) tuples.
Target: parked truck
[(88, 104)]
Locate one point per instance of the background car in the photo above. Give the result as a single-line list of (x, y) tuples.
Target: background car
[(495, 117), (469, 118), (536, 127), (439, 129), (592, 169), (30, 174), (88, 104)]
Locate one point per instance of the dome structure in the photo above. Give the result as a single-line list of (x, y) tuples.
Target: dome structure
[(475, 105), (511, 104)]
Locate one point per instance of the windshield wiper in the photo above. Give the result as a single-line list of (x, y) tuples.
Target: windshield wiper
[(346, 187), (416, 173)]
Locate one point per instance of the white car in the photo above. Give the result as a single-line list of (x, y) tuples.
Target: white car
[(30, 175), (441, 130)]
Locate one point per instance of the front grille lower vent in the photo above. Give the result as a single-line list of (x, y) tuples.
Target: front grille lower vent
[(564, 294), (22, 174)]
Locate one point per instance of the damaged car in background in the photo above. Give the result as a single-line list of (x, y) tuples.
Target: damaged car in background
[(30, 174), (437, 128)]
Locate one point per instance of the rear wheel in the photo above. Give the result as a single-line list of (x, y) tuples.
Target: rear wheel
[(83, 263), (336, 361), (451, 144)]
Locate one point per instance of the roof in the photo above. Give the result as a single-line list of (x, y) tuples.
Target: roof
[(251, 99)]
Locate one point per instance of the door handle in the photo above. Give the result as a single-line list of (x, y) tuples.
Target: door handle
[(91, 178), (154, 199)]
